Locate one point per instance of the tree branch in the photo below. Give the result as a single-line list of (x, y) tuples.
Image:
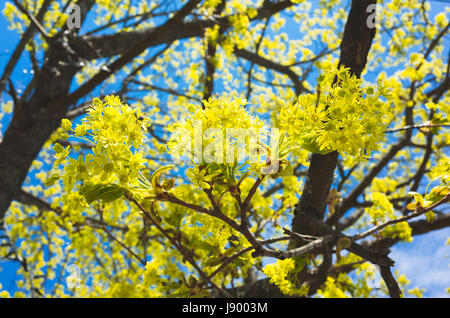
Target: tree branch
[(417, 213), (27, 35)]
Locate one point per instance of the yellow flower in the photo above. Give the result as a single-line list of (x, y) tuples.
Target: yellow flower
[(198, 177)]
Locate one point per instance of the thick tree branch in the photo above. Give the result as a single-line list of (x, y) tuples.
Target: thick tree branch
[(116, 44), (127, 57), (355, 46), (210, 56), (283, 69), (33, 122)]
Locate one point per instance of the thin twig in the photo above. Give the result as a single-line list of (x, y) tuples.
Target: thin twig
[(245, 205), (186, 254), (142, 261), (405, 218), (298, 236), (33, 20), (416, 127)]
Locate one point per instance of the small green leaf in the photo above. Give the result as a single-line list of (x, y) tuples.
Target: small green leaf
[(168, 184), (300, 261), (64, 136), (203, 245), (51, 181), (58, 148), (156, 175), (144, 182), (430, 216), (285, 169), (230, 251), (437, 193), (418, 198)]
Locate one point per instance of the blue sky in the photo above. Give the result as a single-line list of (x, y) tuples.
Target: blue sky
[(425, 261)]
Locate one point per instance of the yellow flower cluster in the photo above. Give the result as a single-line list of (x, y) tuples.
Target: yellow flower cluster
[(381, 209), (331, 290), (116, 131), (341, 116), (280, 274), (223, 132), (400, 230)]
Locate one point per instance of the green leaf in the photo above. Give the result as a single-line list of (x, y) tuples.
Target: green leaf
[(58, 148), (64, 136), (310, 144), (156, 175), (168, 184), (203, 245), (430, 216), (104, 192), (300, 262), (285, 169), (174, 218), (51, 181), (150, 205), (418, 198), (437, 193)]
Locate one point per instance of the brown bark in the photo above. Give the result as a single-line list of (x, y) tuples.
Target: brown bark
[(309, 213), (34, 120)]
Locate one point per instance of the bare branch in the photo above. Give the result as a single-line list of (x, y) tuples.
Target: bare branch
[(33, 20), (416, 127), (27, 35), (418, 212)]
